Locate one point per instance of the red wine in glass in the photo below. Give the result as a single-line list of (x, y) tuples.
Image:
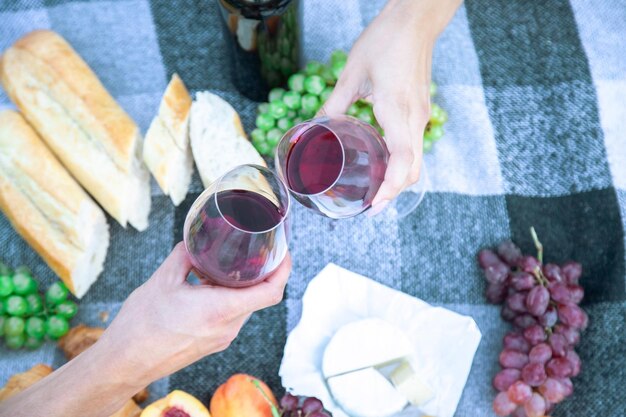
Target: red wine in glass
[(334, 165), (236, 232)]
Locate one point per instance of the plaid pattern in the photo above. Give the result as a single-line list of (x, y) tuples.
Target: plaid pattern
[(535, 96)]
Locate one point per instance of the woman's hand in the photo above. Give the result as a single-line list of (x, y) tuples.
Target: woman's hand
[(167, 323), (390, 63)]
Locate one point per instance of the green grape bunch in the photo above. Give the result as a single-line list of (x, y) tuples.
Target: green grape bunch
[(306, 92), (27, 316)]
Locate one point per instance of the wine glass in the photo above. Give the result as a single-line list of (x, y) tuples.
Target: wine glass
[(335, 166), (237, 230)]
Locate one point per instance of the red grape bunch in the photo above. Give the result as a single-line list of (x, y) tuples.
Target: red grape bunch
[(541, 301), (293, 406)]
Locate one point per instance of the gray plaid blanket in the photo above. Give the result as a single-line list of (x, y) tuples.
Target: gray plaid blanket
[(535, 91)]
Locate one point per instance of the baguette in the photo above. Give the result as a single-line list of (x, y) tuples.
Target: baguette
[(218, 140), (79, 120), (166, 149), (19, 382), (48, 208)]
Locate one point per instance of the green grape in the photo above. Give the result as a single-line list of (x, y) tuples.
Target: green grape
[(278, 109), (13, 326), (265, 121), (291, 114), (24, 284), (313, 68), (297, 120), (438, 115), (276, 94), (328, 76), (285, 123), (286, 67), (433, 88), (35, 304), (257, 136), (353, 110), (36, 327), (263, 108), (314, 84), (16, 306), (296, 82), (274, 136), (325, 94), (15, 341), (428, 145), (6, 286), (56, 293), (264, 148), (434, 133), (1, 307), (381, 131), (4, 270), (56, 327), (310, 103), (366, 115), (284, 46), (292, 100), (3, 319), (33, 343), (337, 68), (338, 56), (68, 309), (23, 269), (306, 114)]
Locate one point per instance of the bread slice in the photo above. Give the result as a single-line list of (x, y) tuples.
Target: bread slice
[(218, 140), (48, 208), (166, 149), (19, 382), (81, 123)]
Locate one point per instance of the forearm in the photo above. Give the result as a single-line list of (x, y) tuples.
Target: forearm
[(96, 383), (429, 14)]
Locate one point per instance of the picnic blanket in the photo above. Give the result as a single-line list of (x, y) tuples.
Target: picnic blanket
[(535, 93)]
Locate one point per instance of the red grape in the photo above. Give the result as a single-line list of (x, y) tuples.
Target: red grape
[(549, 318), (516, 341), (505, 378), (509, 252), (312, 404), (507, 314), (521, 281), (558, 343), (537, 300), (534, 374), (513, 359), (517, 302), (571, 335), (497, 273), (560, 293), (567, 385), (536, 406), (519, 392), (502, 405), (559, 368), (572, 315), (519, 412), (524, 321), (529, 264), (540, 353), (318, 414), (289, 402), (535, 334), (552, 390), (488, 258), (574, 361), (496, 293), (552, 272), (576, 293), (572, 272)]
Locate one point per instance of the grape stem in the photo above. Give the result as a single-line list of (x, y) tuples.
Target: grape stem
[(275, 412), (538, 245)]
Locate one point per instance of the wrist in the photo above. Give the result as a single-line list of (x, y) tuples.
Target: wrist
[(429, 16)]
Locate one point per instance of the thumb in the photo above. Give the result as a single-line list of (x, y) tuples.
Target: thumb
[(345, 93)]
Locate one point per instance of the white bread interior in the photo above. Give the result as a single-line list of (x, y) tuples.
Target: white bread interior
[(48, 208), (218, 140), (82, 124), (166, 149)]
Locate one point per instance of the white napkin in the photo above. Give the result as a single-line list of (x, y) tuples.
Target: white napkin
[(444, 342)]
